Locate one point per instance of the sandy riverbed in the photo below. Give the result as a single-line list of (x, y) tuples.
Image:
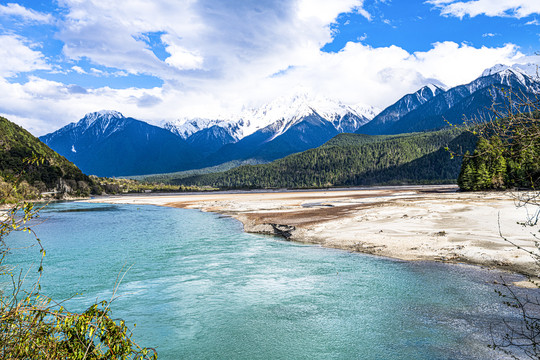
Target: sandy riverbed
[(409, 223)]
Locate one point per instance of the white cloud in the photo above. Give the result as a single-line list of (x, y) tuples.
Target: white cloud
[(78, 69), (42, 106), (472, 8), (358, 73), (181, 58), (533, 22), (223, 56), (326, 11), (17, 56), (217, 38), (13, 9), (489, 35), (379, 76)]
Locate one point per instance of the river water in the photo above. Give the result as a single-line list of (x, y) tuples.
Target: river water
[(198, 287)]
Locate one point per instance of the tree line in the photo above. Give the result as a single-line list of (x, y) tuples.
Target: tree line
[(507, 155), (351, 160)]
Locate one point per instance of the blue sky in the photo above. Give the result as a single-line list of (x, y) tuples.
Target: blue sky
[(170, 59)]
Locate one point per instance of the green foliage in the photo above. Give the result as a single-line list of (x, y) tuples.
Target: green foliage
[(166, 178), (32, 326), (29, 168), (124, 186), (349, 160), (507, 155), (34, 329), (34, 167)]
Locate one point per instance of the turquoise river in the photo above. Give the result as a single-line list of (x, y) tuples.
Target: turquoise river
[(198, 287)]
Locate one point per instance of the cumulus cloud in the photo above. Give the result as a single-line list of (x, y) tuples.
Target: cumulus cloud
[(12, 9), (146, 100), (181, 58), (42, 106), (379, 76), (325, 12), (218, 57), (18, 56), (76, 89), (358, 73), (78, 69), (472, 8), (217, 38)]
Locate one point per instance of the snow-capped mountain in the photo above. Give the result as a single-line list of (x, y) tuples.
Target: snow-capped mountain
[(472, 100), (102, 119), (285, 111), (186, 127), (527, 69), (400, 108), (288, 111), (99, 124), (297, 122), (205, 135), (106, 143), (291, 124)]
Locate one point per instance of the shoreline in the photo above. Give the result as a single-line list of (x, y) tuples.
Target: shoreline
[(431, 222)]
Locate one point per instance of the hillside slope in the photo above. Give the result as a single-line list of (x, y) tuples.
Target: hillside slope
[(349, 160), (55, 173)]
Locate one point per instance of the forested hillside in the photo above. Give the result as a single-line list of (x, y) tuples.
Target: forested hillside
[(507, 155), (37, 168), (350, 159)]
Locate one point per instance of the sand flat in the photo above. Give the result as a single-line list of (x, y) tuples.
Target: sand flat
[(409, 223)]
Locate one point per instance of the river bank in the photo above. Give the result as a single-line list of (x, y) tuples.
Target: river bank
[(409, 223)]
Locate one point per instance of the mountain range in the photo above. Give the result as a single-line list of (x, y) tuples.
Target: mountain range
[(433, 108), (106, 143)]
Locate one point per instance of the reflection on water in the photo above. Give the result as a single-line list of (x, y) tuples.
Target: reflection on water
[(200, 288)]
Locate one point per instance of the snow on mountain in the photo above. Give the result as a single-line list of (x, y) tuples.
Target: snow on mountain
[(518, 76), (527, 69), (367, 111), (186, 127), (527, 75), (495, 88), (106, 143), (104, 117), (97, 123), (286, 111), (401, 108), (281, 113)]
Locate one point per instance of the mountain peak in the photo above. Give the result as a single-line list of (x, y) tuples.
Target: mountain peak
[(98, 120), (103, 115), (434, 88), (529, 69), (185, 127), (430, 90)]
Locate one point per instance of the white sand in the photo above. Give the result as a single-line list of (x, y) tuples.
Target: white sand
[(409, 223)]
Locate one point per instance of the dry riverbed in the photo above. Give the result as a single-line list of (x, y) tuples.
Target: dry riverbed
[(409, 223)]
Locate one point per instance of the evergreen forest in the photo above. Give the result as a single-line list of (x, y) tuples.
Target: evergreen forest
[(507, 155), (353, 160)]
